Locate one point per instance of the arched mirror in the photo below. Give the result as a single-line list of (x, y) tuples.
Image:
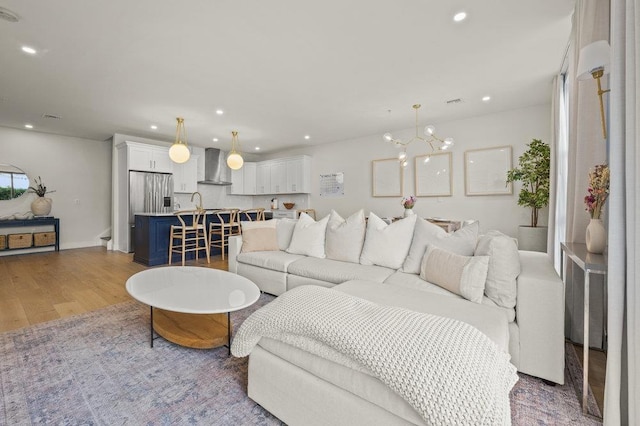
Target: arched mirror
[(13, 182)]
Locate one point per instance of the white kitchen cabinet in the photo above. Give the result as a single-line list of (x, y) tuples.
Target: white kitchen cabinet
[(298, 174), (243, 181), (284, 214), (278, 175), (185, 176), (148, 158), (263, 177), (249, 184)]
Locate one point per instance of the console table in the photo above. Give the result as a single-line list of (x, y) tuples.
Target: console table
[(37, 221), (590, 263)]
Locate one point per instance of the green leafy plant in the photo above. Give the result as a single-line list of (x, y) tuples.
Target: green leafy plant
[(533, 172)]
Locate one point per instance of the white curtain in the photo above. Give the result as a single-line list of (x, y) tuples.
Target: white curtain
[(622, 389)]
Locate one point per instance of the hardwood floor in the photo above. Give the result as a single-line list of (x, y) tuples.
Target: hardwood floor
[(41, 287)]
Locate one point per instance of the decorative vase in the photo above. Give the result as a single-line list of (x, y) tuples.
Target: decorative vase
[(41, 206), (408, 212), (596, 237)]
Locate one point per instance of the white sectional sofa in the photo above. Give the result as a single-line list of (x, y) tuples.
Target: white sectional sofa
[(520, 306)]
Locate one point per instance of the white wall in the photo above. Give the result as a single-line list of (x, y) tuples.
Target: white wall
[(77, 169), (354, 156)]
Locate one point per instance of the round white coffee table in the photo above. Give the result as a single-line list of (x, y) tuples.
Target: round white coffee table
[(192, 304)]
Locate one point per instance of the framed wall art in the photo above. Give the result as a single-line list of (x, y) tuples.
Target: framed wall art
[(485, 171), (388, 179), (434, 175)]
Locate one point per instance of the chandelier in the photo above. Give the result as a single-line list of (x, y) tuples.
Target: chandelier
[(431, 140), (179, 151)]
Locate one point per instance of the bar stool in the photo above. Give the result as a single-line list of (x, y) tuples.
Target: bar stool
[(187, 236), (226, 226), (245, 215), (310, 212)]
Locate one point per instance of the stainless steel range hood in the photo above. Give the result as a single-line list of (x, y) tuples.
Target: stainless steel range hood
[(214, 167)]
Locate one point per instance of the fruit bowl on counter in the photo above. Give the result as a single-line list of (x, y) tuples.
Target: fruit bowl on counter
[(288, 206)]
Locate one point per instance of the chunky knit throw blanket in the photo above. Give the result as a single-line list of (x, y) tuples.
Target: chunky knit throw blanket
[(450, 372)]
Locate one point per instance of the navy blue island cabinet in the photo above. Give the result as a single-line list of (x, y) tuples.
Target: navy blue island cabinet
[(152, 239)]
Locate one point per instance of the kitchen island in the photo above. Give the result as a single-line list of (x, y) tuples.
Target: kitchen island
[(152, 238)]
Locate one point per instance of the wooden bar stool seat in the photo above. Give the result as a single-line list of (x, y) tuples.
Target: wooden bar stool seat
[(190, 235), (226, 226)]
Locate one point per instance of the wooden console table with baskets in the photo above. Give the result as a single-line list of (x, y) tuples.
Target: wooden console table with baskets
[(31, 238)]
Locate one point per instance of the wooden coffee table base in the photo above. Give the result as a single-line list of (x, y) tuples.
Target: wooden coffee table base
[(200, 331)]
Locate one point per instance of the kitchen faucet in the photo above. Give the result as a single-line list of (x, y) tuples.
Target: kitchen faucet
[(199, 197)]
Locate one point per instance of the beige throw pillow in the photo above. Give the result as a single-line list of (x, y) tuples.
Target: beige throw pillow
[(259, 236), (462, 275), (462, 242), (344, 238)]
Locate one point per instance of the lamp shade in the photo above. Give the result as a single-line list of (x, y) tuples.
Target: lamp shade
[(235, 161), (179, 153), (594, 56)]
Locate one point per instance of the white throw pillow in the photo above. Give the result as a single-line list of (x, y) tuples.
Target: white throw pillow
[(308, 236), (462, 242), (284, 231), (387, 245), (462, 275), (504, 267), (344, 238)]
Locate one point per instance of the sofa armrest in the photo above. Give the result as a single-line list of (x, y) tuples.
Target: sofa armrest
[(235, 244), (540, 317)]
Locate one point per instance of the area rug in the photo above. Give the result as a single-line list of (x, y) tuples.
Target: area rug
[(98, 369)]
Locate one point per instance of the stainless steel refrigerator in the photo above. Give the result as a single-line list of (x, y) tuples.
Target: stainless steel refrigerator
[(148, 193)]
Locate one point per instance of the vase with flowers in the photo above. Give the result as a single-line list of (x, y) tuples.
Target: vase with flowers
[(41, 206), (598, 192), (408, 203)]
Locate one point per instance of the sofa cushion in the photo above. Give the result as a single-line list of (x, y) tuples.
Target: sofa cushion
[(344, 238), (387, 245), (462, 242), (504, 267), (490, 320), (284, 231), (335, 271), (462, 275), (259, 236), (274, 260), (413, 281), (308, 236)]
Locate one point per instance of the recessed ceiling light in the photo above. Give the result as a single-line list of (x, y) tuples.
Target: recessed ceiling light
[(307, 137), (215, 139), (460, 16), (29, 50), (219, 112), (154, 127), (28, 126), (486, 98), (257, 148)]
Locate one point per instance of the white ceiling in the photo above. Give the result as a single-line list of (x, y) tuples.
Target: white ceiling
[(280, 69)]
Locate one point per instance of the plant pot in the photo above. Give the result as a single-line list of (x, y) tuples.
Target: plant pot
[(408, 212), (532, 238), (41, 206), (596, 237)]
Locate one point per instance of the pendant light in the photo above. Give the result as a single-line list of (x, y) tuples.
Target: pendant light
[(179, 151), (234, 159)]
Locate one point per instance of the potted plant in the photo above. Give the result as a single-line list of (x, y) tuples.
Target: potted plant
[(41, 206), (534, 173)]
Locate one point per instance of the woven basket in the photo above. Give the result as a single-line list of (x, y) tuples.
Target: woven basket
[(20, 240), (3, 242), (41, 239)]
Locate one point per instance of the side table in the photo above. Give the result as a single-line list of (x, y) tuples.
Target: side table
[(590, 263)]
